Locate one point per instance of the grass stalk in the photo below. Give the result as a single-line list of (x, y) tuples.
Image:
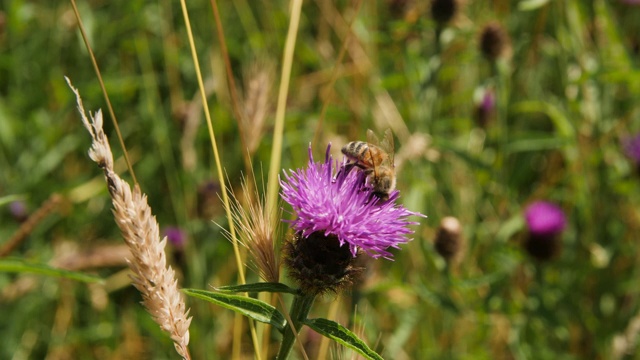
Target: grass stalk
[(223, 190), (287, 62), (233, 90), (334, 75), (85, 38), (27, 227)]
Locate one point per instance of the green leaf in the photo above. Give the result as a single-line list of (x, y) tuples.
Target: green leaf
[(437, 299), (249, 307), (558, 117), (21, 266), (528, 5), (9, 198), (463, 154), (483, 280), (510, 227), (341, 334), (532, 144), (258, 287)]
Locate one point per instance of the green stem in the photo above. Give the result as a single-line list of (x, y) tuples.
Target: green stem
[(299, 311)]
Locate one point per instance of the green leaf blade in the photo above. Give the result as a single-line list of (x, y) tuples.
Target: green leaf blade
[(21, 266), (258, 287), (249, 307), (341, 334)]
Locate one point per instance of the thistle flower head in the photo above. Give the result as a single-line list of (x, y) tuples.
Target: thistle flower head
[(442, 11), (336, 201), (18, 210), (176, 237), (494, 41), (449, 241), (485, 106), (631, 147), (545, 222), (545, 218)]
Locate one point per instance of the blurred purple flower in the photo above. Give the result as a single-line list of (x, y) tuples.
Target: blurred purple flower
[(343, 206), (631, 147), (485, 104), (630, 2), (488, 101), (176, 237), (18, 210), (544, 218)]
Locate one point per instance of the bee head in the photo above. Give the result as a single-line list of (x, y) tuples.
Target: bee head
[(384, 183)]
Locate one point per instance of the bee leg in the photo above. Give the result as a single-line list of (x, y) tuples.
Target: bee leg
[(345, 169)]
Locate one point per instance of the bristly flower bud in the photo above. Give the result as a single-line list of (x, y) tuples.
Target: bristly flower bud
[(494, 42), (319, 264), (449, 241), (545, 222), (442, 11), (397, 7)]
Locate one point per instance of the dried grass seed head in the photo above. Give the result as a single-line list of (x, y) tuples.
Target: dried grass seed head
[(257, 232)]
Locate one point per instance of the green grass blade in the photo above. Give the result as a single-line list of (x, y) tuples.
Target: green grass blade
[(21, 266), (249, 307), (557, 116), (341, 334), (258, 287)]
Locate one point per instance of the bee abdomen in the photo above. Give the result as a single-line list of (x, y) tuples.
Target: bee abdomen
[(354, 148)]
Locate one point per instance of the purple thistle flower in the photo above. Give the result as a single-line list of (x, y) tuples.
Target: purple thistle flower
[(488, 101), (176, 237), (342, 205), (18, 210), (631, 147), (544, 218)]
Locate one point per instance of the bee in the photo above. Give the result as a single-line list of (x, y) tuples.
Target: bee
[(375, 158)]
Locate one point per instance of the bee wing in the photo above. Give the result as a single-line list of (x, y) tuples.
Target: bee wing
[(372, 138), (388, 146)]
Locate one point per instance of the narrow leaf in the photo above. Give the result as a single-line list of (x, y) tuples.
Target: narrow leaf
[(258, 287), (341, 334), (479, 281), (249, 307), (437, 299), (528, 5), (21, 266), (10, 198), (558, 117)]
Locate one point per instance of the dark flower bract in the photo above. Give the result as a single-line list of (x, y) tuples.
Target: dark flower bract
[(336, 201)]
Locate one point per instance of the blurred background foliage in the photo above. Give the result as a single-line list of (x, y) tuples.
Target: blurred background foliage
[(537, 108)]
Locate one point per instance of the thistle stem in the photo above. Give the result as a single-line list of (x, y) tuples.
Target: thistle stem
[(299, 311)]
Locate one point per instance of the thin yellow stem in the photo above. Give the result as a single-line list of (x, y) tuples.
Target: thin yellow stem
[(235, 103), (334, 75), (223, 189), (85, 38), (287, 61)]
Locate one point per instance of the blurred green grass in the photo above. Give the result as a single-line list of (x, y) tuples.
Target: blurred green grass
[(564, 98)]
